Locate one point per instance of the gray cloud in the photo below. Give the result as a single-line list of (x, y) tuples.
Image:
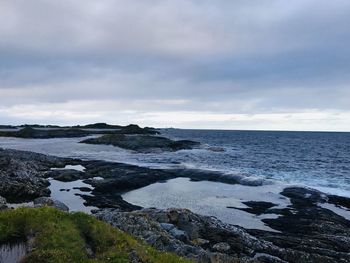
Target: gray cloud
[(157, 57)]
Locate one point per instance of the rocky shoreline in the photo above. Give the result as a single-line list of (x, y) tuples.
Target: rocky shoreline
[(305, 230)]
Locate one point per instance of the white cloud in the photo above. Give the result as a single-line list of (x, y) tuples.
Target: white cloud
[(212, 63)]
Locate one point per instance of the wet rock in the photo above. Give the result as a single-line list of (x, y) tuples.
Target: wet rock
[(256, 207), (222, 247), (46, 201), (312, 233)]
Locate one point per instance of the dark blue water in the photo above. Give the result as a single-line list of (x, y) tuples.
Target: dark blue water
[(319, 159)]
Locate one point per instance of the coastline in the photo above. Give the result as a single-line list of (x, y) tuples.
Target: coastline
[(118, 178)]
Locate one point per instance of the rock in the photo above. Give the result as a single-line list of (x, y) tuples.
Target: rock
[(179, 234), (45, 132), (3, 203), (144, 225), (167, 226), (83, 189), (135, 129), (65, 175), (222, 247), (22, 174), (312, 233), (256, 207), (29, 132), (99, 126), (300, 240), (142, 143), (201, 242), (46, 201)]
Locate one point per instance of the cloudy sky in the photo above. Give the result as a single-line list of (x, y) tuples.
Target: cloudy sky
[(264, 64)]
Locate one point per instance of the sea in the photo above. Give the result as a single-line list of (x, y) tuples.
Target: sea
[(320, 160)]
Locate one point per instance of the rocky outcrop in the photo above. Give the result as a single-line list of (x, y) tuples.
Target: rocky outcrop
[(22, 174), (117, 178), (315, 234), (135, 129), (65, 175), (203, 238), (157, 229), (46, 201), (29, 132), (47, 132), (143, 143)]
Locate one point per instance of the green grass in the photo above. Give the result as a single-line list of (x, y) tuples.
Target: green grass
[(64, 237)]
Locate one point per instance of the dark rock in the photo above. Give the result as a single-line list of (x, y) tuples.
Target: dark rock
[(22, 174), (256, 207), (135, 129), (46, 201), (142, 143), (7, 127), (313, 233), (65, 175), (339, 201), (99, 126), (29, 132), (108, 200), (83, 189)]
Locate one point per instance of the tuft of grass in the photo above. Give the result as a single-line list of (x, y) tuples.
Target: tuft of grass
[(74, 237)]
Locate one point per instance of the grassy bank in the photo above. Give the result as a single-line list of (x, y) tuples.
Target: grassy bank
[(74, 237)]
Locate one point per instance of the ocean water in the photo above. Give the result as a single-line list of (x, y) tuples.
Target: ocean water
[(316, 159)]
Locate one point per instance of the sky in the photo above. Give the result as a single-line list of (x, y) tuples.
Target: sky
[(259, 64)]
